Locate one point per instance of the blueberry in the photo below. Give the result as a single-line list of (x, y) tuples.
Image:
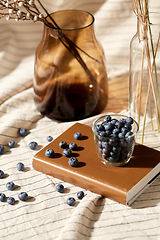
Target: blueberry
[(106, 145), (2, 197), (109, 126), (128, 126), (10, 200), (123, 143), (108, 118), (71, 201), (23, 132), (119, 124), (67, 152), (78, 135), (121, 135), (116, 131), (20, 166), (33, 145), (23, 196), (113, 135), (80, 194), (49, 138), (129, 120), (10, 185), (99, 128), (1, 174), (108, 133), (11, 144), (63, 144), (60, 188), (2, 149), (49, 152), (114, 159), (113, 121), (113, 142), (116, 149), (73, 162), (128, 134), (124, 130), (102, 135), (73, 146)]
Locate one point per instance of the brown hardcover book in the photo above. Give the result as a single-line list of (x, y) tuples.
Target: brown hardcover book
[(122, 184)]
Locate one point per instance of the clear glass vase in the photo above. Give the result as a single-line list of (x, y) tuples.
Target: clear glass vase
[(144, 79), (70, 80)]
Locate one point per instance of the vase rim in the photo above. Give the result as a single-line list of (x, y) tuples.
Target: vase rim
[(72, 10), (151, 23)]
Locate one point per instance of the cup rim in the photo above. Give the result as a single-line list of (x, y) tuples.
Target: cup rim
[(72, 10), (122, 115)]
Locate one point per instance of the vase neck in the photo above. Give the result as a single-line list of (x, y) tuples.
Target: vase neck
[(150, 26)]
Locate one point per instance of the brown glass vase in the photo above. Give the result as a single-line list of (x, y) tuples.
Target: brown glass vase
[(70, 80)]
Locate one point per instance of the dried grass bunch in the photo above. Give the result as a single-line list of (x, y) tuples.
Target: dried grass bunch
[(32, 10), (149, 52)]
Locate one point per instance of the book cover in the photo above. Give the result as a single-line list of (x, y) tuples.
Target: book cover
[(122, 184)]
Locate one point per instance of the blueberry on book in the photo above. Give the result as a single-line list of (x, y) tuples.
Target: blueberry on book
[(71, 201), (63, 144), (20, 166), (78, 135), (73, 146), (1, 174), (73, 162), (80, 194), (23, 132), (2, 197), (10, 185), (11, 144), (67, 152), (60, 188), (33, 145), (49, 152), (1, 149), (23, 196), (11, 200)]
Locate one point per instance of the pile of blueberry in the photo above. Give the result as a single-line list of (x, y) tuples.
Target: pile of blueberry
[(115, 138)]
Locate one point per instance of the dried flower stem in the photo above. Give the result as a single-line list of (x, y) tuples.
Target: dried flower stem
[(33, 13)]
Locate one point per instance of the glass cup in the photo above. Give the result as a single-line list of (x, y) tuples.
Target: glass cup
[(114, 137)]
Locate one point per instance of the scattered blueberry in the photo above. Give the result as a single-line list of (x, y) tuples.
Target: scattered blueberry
[(2, 197), (2, 149), (80, 194), (49, 152), (10, 200), (78, 135), (71, 201), (67, 152), (10, 185), (60, 188), (73, 162), (11, 144), (23, 196), (33, 145), (1, 174), (23, 132), (20, 166), (63, 144), (49, 138), (73, 146)]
